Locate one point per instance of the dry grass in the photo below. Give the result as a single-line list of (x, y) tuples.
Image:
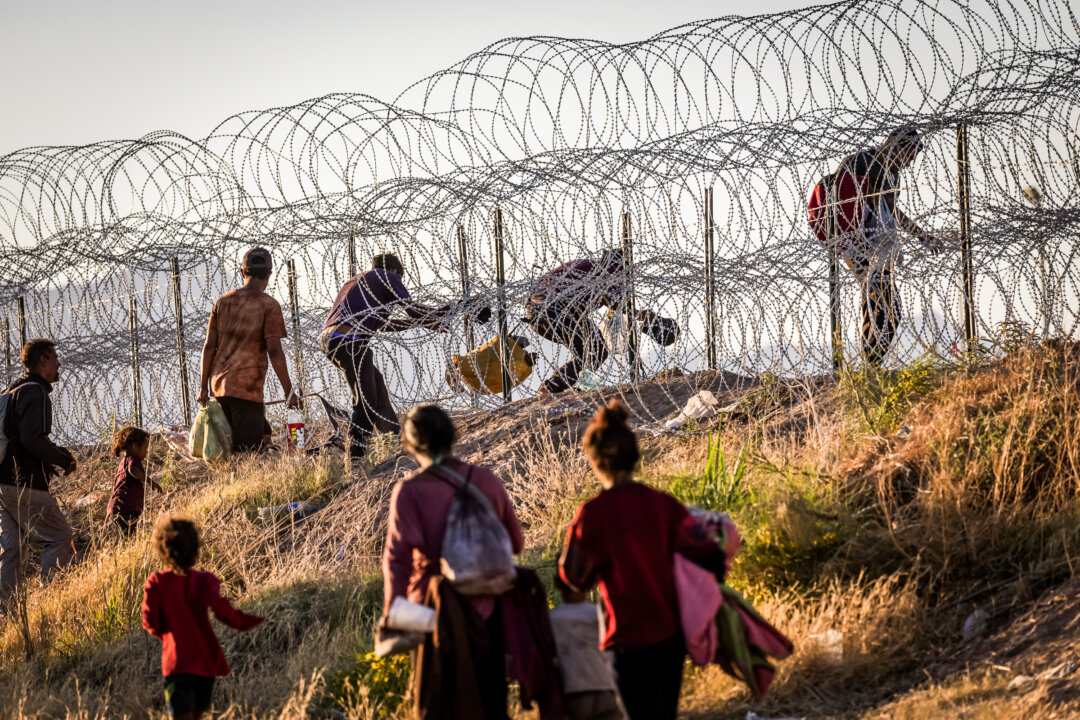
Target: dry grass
[(887, 538)]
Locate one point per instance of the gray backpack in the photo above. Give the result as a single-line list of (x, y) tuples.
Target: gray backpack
[(477, 556)]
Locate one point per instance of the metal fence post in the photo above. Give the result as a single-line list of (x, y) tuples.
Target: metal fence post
[(463, 253), (710, 285), (7, 348), (631, 305), (963, 188), (20, 307), (178, 311), (836, 332), (500, 281), (136, 385), (298, 350), (352, 255)]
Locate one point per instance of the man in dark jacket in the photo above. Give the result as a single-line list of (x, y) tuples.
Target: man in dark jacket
[(28, 512)]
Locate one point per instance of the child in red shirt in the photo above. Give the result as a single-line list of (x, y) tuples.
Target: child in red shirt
[(129, 481), (174, 610), (624, 540)]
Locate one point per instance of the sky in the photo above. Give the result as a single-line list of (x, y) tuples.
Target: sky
[(76, 72)]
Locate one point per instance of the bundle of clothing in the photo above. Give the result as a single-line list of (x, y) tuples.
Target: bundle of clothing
[(719, 625)]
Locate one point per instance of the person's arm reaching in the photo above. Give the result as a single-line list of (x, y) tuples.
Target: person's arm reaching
[(427, 317), (281, 369), (206, 364), (932, 242), (224, 611)]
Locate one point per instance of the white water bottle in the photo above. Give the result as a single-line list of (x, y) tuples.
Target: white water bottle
[(294, 430)]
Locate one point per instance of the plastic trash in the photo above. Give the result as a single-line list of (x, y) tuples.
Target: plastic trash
[(1019, 682), (614, 330), (702, 405), (197, 436), (294, 509), (831, 644), (975, 625), (294, 430), (410, 617), (88, 499), (587, 380)]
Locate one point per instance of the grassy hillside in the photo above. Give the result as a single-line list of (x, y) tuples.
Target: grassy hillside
[(878, 510)]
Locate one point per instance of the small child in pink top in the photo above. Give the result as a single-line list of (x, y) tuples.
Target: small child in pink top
[(131, 444)]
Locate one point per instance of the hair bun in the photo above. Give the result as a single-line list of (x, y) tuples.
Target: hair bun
[(614, 413)]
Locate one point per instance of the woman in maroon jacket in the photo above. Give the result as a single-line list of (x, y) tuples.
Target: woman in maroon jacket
[(624, 540), (419, 508)]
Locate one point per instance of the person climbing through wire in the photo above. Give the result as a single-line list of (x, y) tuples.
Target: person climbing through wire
[(865, 225), (558, 310), (363, 307)]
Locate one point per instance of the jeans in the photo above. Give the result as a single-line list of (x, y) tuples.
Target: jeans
[(34, 516), (372, 409), (880, 305), (571, 327)]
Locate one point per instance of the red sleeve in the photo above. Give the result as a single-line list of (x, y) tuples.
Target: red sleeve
[(578, 565), (152, 618), (273, 321), (223, 609), (692, 541), (403, 533)]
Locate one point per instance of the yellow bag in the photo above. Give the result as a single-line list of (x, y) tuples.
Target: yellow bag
[(482, 369)]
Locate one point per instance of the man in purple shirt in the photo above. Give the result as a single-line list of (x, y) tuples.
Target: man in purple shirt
[(558, 310), (363, 307)]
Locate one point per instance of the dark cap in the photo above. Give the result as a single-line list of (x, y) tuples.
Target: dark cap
[(257, 259), (906, 136)]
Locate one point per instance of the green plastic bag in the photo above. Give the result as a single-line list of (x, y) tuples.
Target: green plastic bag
[(211, 436), (218, 442), (197, 436)]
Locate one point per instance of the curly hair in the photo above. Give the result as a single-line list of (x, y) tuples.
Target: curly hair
[(176, 541), (127, 439), (609, 442), (34, 350)]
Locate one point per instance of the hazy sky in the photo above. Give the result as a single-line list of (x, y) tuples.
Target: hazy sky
[(77, 72)]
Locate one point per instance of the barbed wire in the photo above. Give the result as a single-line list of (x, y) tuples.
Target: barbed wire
[(564, 137)]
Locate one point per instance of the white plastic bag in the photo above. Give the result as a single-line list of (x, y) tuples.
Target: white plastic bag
[(615, 332)]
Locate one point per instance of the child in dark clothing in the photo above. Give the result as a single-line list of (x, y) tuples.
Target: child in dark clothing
[(174, 610), (129, 482)]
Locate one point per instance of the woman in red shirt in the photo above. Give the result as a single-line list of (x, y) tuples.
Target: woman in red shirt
[(175, 610), (624, 541), (419, 508)]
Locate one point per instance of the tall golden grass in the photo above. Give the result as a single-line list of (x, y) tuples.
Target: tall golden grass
[(887, 538)]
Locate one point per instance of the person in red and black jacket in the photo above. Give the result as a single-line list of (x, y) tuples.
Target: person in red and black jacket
[(558, 310), (624, 540), (176, 606), (868, 224), (27, 509)]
